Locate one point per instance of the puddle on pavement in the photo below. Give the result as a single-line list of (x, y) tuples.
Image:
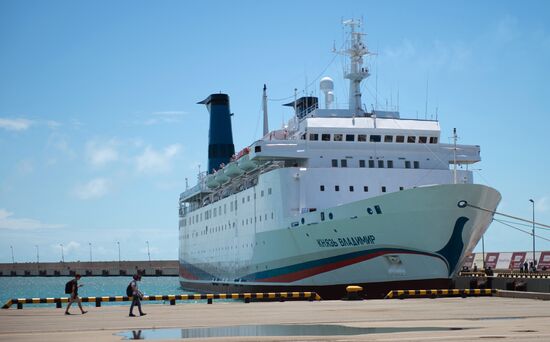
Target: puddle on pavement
[(264, 330)]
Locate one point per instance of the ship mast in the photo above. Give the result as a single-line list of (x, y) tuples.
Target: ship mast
[(356, 50)]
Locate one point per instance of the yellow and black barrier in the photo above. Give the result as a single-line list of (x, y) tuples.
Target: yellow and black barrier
[(524, 275), (402, 294), (472, 274), (281, 296)]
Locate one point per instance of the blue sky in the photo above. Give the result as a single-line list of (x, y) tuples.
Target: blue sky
[(99, 125)]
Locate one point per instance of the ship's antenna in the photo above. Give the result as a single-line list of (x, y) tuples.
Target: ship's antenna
[(356, 50), (266, 128), (436, 113), (186, 184), (454, 155), (398, 98), (426, 108)]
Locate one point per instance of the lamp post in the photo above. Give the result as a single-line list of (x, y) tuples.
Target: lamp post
[(534, 261), (12, 258), (118, 244), (90, 244), (148, 253), (37, 254), (62, 254)]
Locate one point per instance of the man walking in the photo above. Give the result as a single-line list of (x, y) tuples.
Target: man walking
[(136, 296), (72, 288)]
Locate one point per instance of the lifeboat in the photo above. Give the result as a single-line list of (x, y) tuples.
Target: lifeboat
[(246, 164), (221, 177), (211, 181), (232, 170)]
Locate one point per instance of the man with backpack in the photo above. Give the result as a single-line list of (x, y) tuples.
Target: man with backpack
[(133, 291), (71, 287)]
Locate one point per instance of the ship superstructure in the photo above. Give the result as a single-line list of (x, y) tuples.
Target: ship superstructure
[(334, 198)]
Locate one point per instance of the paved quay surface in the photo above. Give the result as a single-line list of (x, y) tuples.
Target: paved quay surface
[(485, 319)]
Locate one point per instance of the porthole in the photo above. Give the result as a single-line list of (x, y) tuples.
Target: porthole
[(330, 216)]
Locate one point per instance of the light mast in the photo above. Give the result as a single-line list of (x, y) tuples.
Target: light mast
[(356, 50)]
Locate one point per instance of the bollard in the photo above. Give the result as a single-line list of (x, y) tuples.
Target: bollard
[(172, 302), (247, 300), (58, 304), (98, 302), (353, 292), (209, 301), (19, 305)]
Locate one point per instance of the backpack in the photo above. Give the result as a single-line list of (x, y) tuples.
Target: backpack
[(129, 290), (69, 287)]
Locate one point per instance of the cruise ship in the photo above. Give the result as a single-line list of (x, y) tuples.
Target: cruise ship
[(336, 197)]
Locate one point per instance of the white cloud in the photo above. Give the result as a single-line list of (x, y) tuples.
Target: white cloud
[(15, 124), (153, 161), (95, 188), (99, 154), (542, 204), (164, 117), (7, 222), (68, 248)]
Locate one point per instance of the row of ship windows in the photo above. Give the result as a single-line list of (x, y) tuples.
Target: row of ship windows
[(218, 210), (372, 164), (411, 139), (227, 226), (351, 188)]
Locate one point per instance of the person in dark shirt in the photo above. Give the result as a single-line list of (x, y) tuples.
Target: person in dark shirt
[(74, 295), (137, 295)]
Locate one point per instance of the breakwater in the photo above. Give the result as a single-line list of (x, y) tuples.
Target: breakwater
[(96, 268)]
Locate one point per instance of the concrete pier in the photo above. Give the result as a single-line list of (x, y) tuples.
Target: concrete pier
[(97, 268), (487, 318)]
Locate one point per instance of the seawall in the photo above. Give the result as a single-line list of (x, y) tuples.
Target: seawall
[(96, 268)]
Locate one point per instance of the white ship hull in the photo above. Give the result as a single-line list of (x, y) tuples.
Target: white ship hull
[(408, 237)]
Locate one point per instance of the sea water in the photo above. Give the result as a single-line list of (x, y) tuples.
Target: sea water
[(42, 287)]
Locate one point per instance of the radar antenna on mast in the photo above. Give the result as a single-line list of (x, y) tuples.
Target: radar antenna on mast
[(355, 49)]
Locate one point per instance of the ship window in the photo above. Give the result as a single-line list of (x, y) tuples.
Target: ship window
[(350, 137), (335, 163), (325, 137), (390, 164), (416, 164), (337, 137), (269, 191), (337, 188), (400, 188), (262, 193), (361, 163), (433, 140), (322, 188), (407, 164), (351, 188), (381, 164), (322, 216), (257, 149), (383, 189), (399, 139), (303, 220), (330, 216), (248, 198), (388, 138), (343, 163), (375, 138), (361, 137), (313, 136), (411, 139), (243, 199), (422, 140), (272, 215), (265, 217), (371, 164)]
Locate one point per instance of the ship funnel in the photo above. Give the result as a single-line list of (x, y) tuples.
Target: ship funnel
[(220, 134), (327, 87)]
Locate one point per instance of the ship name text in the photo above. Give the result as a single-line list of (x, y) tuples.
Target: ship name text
[(347, 241)]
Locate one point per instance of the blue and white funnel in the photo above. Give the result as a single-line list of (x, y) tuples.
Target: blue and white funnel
[(220, 134)]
